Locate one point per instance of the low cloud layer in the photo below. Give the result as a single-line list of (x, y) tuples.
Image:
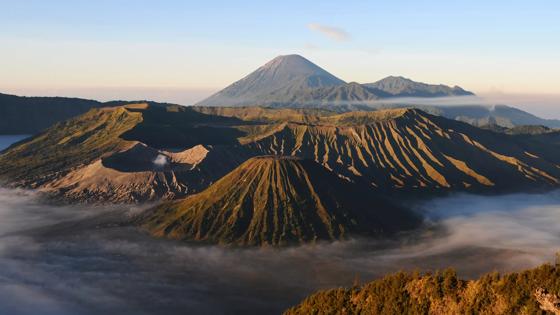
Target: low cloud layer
[(80, 260), (331, 32)]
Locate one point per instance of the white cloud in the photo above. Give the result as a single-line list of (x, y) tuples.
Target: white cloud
[(334, 33), (83, 260)]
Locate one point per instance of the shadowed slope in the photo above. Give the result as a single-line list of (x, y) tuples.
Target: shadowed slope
[(110, 154), (33, 114), (100, 156), (502, 115), (267, 115), (403, 87), (67, 145), (29, 115), (277, 201), (331, 96)]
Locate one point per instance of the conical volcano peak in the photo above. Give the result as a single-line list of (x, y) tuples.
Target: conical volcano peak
[(295, 65), (275, 200), (274, 82)]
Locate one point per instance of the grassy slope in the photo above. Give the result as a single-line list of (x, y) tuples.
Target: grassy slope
[(68, 144), (277, 201)]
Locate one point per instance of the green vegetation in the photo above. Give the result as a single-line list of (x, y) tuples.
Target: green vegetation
[(67, 145), (438, 293)]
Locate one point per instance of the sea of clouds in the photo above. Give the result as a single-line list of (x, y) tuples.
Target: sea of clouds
[(83, 260)]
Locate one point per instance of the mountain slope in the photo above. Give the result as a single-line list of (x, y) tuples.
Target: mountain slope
[(532, 291), (68, 144), (276, 81), (409, 149), (101, 156), (277, 201), (348, 93), (295, 81), (29, 115), (476, 115), (110, 154), (501, 115), (403, 87)]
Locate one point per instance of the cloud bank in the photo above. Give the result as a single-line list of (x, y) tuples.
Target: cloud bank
[(82, 260)]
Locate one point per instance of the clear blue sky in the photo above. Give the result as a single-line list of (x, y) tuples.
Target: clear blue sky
[(190, 48)]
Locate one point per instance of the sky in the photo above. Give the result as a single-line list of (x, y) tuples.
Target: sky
[(182, 51)]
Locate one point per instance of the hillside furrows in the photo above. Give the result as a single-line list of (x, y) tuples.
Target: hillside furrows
[(277, 201), (411, 151), (86, 158), (260, 206)]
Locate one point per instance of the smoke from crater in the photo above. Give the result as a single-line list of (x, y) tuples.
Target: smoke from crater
[(160, 161)]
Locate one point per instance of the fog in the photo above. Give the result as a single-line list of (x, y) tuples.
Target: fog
[(83, 260)]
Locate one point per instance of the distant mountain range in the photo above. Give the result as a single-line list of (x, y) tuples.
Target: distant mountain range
[(501, 115), (292, 80), (30, 115), (286, 81), (403, 87)]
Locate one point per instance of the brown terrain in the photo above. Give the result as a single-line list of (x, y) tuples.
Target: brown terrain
[(139, 153), (278, 201)]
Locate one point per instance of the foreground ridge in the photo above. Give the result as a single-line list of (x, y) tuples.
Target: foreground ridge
[(527, 292)]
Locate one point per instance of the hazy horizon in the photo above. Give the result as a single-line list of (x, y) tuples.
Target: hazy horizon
[(542, 105), (181, 52)]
